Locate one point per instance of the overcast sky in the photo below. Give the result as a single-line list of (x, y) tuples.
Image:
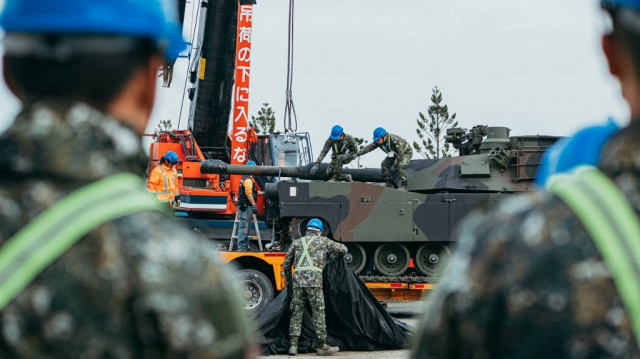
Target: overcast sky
[(533, 66)]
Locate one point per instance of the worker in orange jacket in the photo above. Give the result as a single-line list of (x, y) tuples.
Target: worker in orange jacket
[(163, 180)]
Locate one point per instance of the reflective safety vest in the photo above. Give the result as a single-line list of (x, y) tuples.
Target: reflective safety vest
[(337, 150), (48, 236), (167, 194), (386, 147), (612, 223), (243, 200), (305, 262)]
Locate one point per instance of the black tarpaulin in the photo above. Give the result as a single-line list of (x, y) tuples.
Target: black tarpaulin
[(355, 319)]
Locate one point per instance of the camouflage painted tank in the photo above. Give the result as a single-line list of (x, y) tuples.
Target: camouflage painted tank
[(404, 235)]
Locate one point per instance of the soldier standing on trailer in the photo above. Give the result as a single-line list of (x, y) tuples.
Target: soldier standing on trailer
[(247, 207), (398, 152), (344, 148), (310, 254)]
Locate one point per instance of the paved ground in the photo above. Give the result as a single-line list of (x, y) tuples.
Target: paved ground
[(405, 311), (386, 354)]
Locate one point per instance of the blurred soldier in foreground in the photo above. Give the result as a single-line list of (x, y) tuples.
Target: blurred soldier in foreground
[(310, 254), (163, 180), (555, 274), (398, 152), (91, 267), (343, 147)]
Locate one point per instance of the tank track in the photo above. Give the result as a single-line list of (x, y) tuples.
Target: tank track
[(398, 279)]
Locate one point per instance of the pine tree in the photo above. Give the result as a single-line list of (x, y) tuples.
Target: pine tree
[(163, 126), (266, 120), (362, 143), (432, 129)]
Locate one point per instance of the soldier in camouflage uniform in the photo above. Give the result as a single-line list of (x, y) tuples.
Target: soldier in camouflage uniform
[(343, 147), (310, 254), (398, 151), (138, 286), (527, 279)]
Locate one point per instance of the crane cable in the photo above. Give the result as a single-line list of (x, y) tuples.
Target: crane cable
[(191, 58), (290, 122)]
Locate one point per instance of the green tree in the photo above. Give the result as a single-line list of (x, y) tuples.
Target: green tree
[(362, 143), (266, 120), (433, 127)]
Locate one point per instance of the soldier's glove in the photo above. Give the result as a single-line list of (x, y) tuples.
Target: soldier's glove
[(314, 169), (254, 209)]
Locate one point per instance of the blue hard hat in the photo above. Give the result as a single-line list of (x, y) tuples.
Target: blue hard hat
[(634, 4), (315, 223), (154, 19), (336, 132), (378, 133), (250, 163), (583, 148), (171, 156)]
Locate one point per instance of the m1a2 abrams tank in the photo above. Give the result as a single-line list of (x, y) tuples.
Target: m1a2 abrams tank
[(393, 234)]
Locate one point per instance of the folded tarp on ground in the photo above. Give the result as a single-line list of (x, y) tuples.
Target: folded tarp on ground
[(355, 319)]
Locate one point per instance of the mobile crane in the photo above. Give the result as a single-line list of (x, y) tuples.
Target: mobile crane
[(219, 74)]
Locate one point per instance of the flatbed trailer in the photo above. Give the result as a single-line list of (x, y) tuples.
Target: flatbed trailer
[(262, 276)]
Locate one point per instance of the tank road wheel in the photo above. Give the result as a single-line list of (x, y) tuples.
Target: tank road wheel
[(256, 288), (391, 259), (356, 257), (431, 258)]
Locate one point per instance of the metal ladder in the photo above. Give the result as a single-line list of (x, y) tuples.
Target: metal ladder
[(234, 232)]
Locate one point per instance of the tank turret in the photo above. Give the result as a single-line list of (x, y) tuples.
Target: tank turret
[(489, 161)]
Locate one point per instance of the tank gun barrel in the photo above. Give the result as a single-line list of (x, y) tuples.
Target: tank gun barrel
[(302, 172)]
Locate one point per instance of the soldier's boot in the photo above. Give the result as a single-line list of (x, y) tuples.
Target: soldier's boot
[(293, 346), (347, 177), (324, 349), (334, 179), (403, 185), (389, 184)]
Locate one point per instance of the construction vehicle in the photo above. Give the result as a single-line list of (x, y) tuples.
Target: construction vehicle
[(397, 240), (219, 72)]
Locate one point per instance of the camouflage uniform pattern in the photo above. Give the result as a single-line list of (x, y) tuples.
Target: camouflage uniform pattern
[(527, 281), (316, 301), (402, 154), (140, 286), (308, 283), (345, 145)]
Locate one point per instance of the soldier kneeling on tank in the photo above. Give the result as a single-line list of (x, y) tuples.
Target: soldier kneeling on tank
[(398, 152), (344, 148), (310, 254)]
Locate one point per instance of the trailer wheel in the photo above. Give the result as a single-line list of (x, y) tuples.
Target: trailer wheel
[(257, 291)]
